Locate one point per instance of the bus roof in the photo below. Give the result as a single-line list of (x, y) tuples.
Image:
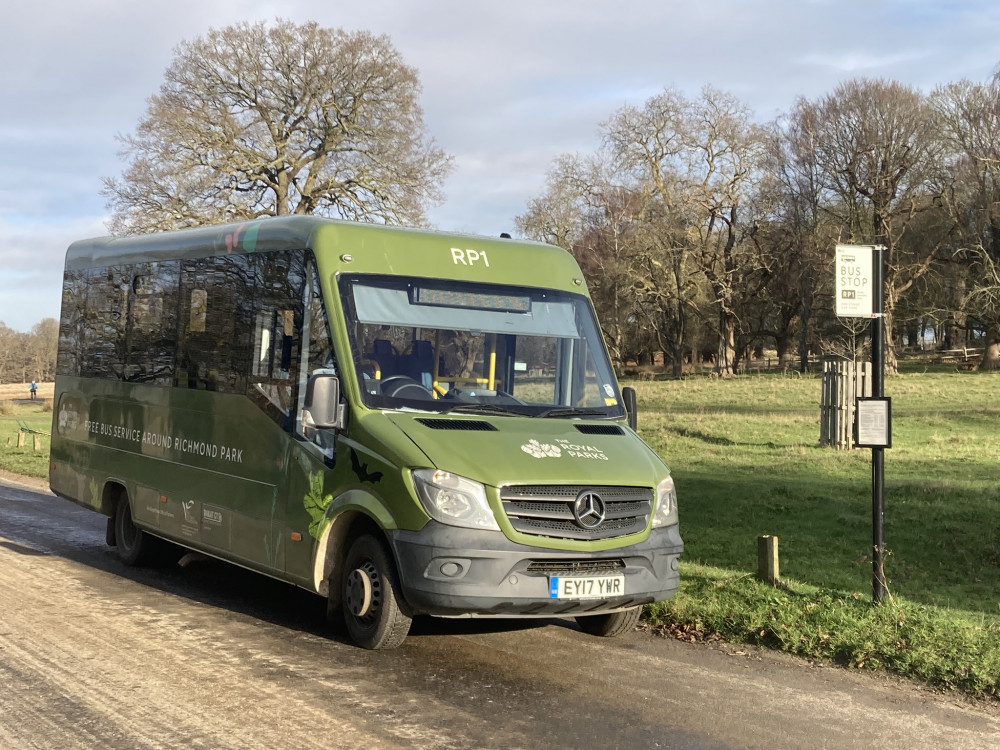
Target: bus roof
[(345, 246)]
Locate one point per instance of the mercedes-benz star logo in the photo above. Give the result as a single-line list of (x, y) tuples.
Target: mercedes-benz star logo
[(589, 509)]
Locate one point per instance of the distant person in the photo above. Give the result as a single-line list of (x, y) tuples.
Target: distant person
[(34, 390)]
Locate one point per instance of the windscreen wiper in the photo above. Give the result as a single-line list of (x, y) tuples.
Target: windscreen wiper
[(482, 409), (572, 411)]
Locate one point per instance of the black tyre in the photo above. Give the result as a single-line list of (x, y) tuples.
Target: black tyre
[(612, 624), (370, 596), (134, 546)]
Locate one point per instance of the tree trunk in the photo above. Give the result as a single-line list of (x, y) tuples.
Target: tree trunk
[(991, 354), (890, 361), (889, 343), (725, 361), (680, 314), (957, 333), (784, 346), (677, 360), (804, 321)]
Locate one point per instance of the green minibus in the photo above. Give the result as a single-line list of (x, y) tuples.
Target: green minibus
[(405, 422)]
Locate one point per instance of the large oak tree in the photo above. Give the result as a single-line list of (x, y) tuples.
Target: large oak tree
[(260, 120)]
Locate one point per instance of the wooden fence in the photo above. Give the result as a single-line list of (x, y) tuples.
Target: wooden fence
[(770, 364), (963, 356), (843, 382)]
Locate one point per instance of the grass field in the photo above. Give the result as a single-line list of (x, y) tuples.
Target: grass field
[(14, 406), (746, 460)]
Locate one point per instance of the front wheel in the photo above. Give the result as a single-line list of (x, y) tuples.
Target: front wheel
[(371, 604), (611, 624)]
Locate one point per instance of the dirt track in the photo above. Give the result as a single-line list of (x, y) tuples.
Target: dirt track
[(19, 391), (89, 671), (96, 655)]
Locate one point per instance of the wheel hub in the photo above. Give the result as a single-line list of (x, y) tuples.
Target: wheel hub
[(358, 592)]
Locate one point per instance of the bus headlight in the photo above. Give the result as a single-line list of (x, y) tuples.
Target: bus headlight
[(666, 503), (454, 500)]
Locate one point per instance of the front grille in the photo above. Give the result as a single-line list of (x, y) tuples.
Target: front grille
[(576, 567), (547, 510)]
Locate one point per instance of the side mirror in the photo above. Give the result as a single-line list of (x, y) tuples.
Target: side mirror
[(323, 408), (628, 396)]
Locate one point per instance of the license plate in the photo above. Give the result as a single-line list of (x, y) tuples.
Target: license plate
[(586, 587)]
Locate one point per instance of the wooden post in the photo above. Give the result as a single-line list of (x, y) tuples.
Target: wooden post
[(36, 442), (20, 438), (767, 559)]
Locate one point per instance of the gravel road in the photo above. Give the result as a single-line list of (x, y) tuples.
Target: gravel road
[(93, 654)]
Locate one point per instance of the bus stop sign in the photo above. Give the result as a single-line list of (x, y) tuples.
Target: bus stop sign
[(855, 283)]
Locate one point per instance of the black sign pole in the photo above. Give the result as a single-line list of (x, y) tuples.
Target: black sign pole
[(878, 454)]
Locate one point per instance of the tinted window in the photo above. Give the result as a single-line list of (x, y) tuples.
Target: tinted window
[(105, 310), (152, 330), (276, 334), (229, 323), (321, 354), (74, 300), (213, 345)]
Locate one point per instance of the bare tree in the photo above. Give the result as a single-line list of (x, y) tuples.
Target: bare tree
[(805, 230), (587, 211), (43, 343), (697, 208), (650, 144), (879, 154), (253, 121), (29, 356), (668, 208), (703, 161), (968, 115), (10, 351)]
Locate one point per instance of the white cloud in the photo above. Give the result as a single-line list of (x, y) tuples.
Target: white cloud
[(27, 245), (859, 62), (28, 298), (31, 266)]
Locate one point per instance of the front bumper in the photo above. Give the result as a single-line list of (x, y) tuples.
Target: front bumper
[(455, 572)]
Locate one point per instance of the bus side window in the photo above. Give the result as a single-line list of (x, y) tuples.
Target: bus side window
[(274, 338), (321, 359), (213, 345), (321, 354), (71, 323), (276, 335), (104, 317), (152, 323)]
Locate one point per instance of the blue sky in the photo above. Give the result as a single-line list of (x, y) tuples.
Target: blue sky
[(507, 87)]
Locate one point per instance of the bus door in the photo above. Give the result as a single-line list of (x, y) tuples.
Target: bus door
[(312, 455)]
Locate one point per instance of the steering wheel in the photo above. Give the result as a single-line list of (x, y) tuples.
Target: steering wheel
[(401, 386)]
